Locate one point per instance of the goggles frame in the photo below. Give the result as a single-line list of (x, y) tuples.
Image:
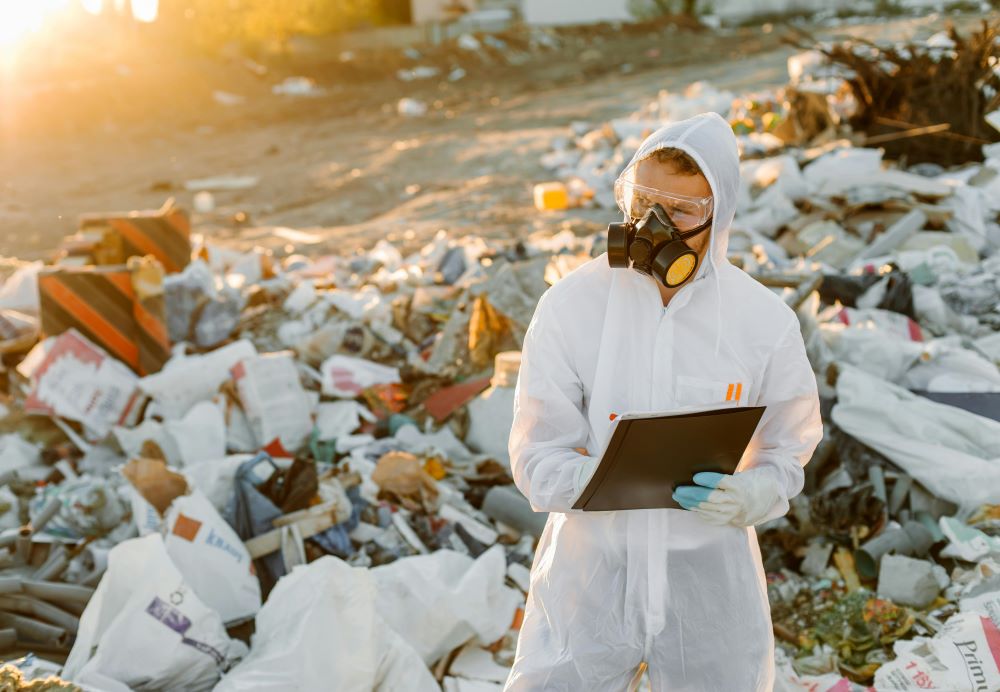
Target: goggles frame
[(692, 211)]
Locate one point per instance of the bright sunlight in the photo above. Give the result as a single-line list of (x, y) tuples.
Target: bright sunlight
[(20, 18)]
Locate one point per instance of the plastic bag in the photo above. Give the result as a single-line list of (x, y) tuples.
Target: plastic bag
[(212, 558), (953, 453), (146, 628), (319, 630), (437, 602), (201, 544)]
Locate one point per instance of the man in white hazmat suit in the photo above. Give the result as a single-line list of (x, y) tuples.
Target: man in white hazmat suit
[(681, 591)]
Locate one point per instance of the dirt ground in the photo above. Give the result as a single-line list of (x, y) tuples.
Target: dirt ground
[(344, 167)]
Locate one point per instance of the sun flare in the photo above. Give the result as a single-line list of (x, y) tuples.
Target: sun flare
[(20, 18)]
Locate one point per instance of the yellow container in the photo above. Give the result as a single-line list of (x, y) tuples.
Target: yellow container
[(551, 196)]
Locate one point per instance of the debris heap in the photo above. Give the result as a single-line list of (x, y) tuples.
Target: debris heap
[(222, 469)]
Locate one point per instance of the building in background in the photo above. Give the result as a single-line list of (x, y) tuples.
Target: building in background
[(575, 11)]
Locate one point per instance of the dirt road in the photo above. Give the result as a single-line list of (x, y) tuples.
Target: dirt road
[(345, 167)]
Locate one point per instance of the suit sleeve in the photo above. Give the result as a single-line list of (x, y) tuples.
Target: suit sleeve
[(791, 426), (549, 420)]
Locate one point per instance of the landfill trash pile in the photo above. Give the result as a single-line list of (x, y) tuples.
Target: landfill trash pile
[(935, 101), (941, 88), (222, 470), (201, 444)]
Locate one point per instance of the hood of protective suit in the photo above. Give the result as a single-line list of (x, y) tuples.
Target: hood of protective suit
[(709, 140)]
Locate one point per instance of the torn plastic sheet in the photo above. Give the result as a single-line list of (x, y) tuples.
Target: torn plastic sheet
[(955, 454), (336, 419), (438, 601), (186, 380)]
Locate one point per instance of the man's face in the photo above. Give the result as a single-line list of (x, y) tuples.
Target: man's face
[(663, 176)]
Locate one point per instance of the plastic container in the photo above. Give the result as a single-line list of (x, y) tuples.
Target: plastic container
[(551, 196)]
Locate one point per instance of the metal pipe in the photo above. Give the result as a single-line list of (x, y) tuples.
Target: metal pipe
[(49, 650), (53, 568), (26, 605), (22, 548), (94, 578), (8, 638), (55, 550), (506, 504), (45, 516), (899, 492), (60, 594), (912, 539), (32, 630), (877, 478), (927, 521)]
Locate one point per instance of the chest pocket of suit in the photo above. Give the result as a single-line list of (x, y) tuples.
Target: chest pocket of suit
[(701, 391)]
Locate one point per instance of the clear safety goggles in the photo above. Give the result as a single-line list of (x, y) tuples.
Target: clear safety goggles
[(686, 212)]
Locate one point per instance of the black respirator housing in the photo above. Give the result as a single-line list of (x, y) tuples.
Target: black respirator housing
[(655, 247)]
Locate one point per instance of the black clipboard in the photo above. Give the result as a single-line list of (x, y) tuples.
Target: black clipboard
[(649, 455)]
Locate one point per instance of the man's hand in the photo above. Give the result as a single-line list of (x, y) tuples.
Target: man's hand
[(741, 499)]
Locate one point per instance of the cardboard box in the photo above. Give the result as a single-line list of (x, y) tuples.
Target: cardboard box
[(111, 238), (119, 308)]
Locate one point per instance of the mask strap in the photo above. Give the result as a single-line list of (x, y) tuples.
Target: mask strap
[(695, 231)]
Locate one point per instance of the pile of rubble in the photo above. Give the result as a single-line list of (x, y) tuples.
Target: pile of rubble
[(199, 430), (224, 470)]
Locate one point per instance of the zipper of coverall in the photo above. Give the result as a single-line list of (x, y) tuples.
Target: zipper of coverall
[(656, 548)]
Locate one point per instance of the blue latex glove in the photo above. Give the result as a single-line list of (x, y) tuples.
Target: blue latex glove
[(741, 499)]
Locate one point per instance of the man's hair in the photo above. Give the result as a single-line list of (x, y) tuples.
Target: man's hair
[(678, 158)]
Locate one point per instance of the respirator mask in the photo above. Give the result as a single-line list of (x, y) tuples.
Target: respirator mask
[(653, 240)]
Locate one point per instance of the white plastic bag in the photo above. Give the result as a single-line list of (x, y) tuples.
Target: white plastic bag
[(439, 601), (319, 630), (212, 558), (947, 367), (335, 419), (146, 628), (200, 434), (954, 453), (186, 380), (878, 353), (215, 478)]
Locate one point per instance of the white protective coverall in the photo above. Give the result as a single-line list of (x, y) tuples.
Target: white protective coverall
[(609, 590)]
